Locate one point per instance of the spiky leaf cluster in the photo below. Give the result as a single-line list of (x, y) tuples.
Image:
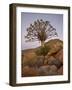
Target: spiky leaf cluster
[(40, 30)]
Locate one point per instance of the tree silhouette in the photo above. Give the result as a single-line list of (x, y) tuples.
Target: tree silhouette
[(40, 30)]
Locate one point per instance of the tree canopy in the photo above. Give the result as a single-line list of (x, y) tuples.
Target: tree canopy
[(40, 30)]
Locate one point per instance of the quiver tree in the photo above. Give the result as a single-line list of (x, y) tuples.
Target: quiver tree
[(40, 30)]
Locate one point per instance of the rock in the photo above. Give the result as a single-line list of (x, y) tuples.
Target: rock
[(47, 59), (46, 67), (55, 45), (53, 70), (59, 56), (35, 65), (48, 70), (39, 61), (43, 70), (60, 71), (51, 58), (55, 62), (29, 71)]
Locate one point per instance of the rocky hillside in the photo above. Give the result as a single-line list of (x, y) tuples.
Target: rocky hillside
[(33, 65)]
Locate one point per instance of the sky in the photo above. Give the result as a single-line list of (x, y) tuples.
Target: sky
[(56, 20)]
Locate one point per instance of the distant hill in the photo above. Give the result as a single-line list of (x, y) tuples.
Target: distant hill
[(54, 45)]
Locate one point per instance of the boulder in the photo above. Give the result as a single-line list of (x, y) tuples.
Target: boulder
[(43, 70), (39, 61), (55, 62), (29, 71), (60, 71), (48, 70), (50, 58), (59, 55), (53, 70)]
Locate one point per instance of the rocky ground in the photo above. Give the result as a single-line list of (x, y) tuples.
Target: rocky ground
[(33, 65)]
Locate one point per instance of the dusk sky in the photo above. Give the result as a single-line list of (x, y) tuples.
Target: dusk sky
[(56, 20)]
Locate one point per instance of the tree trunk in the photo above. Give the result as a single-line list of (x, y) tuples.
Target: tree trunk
[(42, 43)]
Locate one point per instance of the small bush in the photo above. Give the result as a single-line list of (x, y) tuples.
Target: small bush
[(43, 50)]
